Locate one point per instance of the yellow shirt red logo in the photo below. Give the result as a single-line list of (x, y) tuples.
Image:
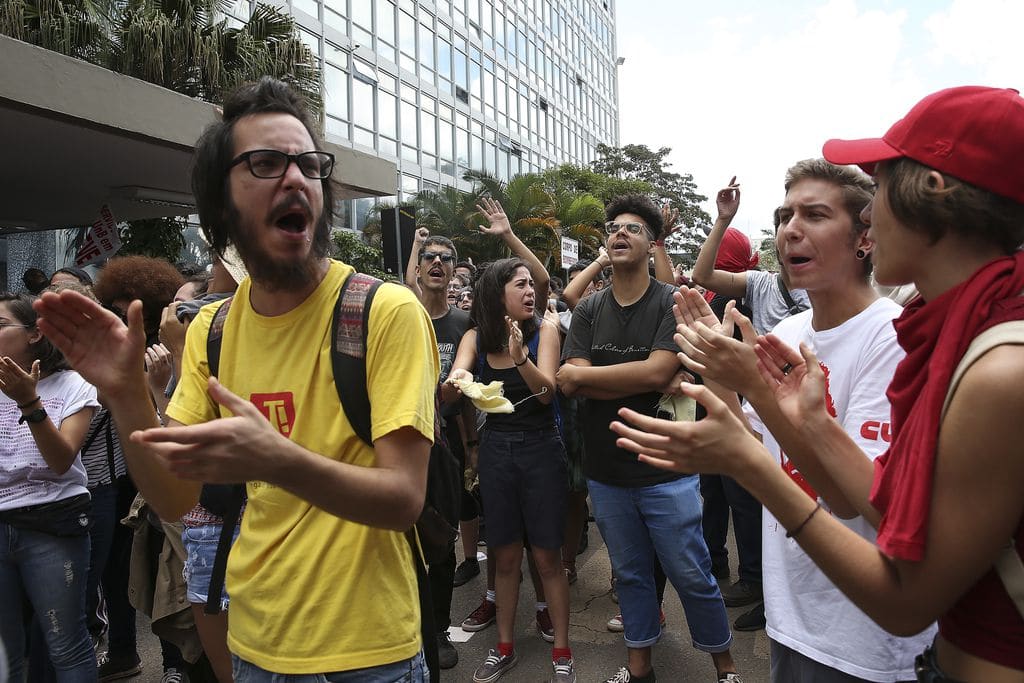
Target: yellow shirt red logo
[(278, 408)]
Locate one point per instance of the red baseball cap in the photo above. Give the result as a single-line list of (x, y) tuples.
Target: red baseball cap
[(972, 133)]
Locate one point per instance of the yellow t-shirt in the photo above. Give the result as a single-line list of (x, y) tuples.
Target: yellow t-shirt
[(311, 592)]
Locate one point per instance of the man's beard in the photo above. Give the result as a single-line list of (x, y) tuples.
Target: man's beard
[(271, 274)]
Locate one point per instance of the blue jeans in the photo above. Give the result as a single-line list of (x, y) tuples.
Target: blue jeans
[(663, 519), (412, 670), (51, 572)]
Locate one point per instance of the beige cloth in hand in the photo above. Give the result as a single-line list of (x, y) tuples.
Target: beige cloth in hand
[(486, 397), (682, 407)]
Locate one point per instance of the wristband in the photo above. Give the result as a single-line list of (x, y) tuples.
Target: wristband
[(22, 406), (524, 361), (794, 532)]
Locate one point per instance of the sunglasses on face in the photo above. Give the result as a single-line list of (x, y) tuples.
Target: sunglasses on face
[(429, 256), (611, 227)]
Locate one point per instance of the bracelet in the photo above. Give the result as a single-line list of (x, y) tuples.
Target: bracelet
[(524, 361), (22, 406), (794, 532)]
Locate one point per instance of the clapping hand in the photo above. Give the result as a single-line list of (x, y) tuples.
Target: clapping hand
[(18, 385), (515, 340)]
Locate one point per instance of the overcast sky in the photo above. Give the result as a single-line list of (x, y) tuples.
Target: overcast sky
[(746, 88)]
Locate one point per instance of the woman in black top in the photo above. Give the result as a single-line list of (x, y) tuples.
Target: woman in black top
[(521, 459)]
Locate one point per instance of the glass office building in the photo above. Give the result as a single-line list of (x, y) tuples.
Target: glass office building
[(503, 86)]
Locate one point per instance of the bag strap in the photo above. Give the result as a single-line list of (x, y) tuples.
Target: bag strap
[(1008, 565), (792, 306), (220, 561), (349, 334), (111, 465), (214, 342), (215, 338)]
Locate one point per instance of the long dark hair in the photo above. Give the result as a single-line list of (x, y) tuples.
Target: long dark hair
[(488, 312), (49, 356)]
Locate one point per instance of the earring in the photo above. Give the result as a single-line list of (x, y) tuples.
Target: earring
[(861, 254)]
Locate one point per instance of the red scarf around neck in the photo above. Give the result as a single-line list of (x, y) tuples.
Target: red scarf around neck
[(935, 336)]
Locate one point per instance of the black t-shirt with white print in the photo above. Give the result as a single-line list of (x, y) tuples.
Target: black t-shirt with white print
[(606, 333)]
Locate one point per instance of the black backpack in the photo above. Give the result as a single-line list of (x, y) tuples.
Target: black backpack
[(437, 527)]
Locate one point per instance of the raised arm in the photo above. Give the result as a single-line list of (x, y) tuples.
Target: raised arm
[(663, 269), (411, 281), (573, 291), (704, 273), (500, 227)]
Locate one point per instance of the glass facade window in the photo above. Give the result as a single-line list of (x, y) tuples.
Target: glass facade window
[(506, 86)]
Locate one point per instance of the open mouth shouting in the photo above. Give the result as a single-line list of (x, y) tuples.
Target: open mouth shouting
[(293, 218), (620, 245)]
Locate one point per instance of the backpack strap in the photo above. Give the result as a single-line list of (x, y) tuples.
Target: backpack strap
[(215, 338), (349, 333), (792, 306), (1008, 565), (236, 493)]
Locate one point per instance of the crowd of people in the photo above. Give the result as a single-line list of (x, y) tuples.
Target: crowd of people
[(192, 446)]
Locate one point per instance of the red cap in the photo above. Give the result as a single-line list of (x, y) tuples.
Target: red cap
[(972, 133)]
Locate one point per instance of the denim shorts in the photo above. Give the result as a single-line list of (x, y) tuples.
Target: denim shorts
[(524, 485), (412, 670), (200, 550)]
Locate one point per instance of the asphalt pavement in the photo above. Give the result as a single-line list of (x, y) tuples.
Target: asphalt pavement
[(598, 652)]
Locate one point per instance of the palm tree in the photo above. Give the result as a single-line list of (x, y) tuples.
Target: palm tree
[(530, 210), (580, 217), (450, 212), (71, 27), (178, 44)]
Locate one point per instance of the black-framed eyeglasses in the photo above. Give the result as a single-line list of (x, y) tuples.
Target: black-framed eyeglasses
[(611, 227), (272, 163), (429, 256)]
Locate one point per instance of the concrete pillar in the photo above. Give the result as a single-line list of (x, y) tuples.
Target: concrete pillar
[(30, 250)]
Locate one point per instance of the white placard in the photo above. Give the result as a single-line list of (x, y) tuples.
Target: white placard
[(570, 252)]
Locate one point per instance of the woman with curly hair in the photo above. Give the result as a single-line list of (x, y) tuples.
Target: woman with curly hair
[(153, 280)]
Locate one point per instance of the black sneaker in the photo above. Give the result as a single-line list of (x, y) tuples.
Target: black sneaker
[(116, 668), (466, 571), (447, 655), (752, 620), (742, 593)]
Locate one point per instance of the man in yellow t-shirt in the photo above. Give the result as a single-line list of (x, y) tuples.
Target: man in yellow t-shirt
[(321, 578)]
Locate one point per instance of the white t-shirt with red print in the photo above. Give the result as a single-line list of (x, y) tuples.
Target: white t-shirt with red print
[(804, 610)]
